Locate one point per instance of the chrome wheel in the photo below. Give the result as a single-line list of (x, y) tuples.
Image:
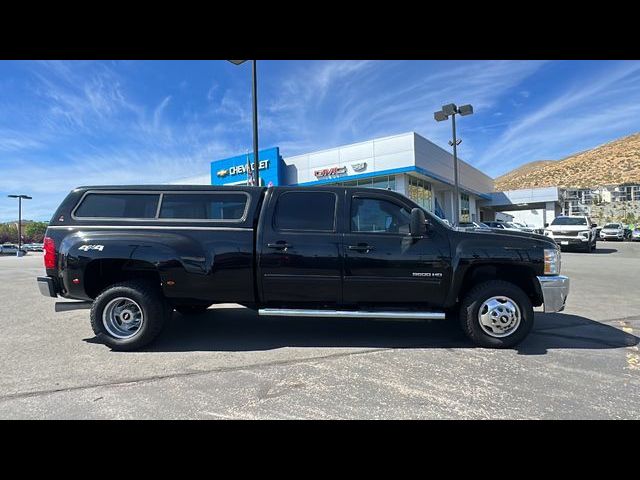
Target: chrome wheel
[(499, 316), (122, 317)]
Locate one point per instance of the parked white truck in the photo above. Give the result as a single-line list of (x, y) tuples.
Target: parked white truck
[(575, 231)]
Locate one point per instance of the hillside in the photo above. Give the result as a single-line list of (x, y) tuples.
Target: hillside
[(609, 164)]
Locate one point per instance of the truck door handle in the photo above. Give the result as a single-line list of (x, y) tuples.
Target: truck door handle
[(279, 245), (361, 247)]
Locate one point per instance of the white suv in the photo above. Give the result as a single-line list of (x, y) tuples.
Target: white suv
[(612, 231), (577, 231)]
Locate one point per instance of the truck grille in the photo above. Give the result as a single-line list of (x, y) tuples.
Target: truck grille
[(564, 233)]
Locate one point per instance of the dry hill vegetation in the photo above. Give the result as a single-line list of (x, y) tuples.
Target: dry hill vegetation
[(613, 163)]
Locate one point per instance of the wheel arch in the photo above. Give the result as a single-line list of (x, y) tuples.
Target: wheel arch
[(102, 272), (522, 276)]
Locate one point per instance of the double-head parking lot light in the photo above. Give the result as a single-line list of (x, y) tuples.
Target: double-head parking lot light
[(20, 197), (450, 110), (254, 96)]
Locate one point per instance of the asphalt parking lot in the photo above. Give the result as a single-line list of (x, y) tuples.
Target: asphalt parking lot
[(228, 363)]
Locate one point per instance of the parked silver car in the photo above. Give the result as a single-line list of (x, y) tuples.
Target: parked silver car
[(8, 249), (471, 225), (612, 231), (635, 235), (502, 226), (523, 227)]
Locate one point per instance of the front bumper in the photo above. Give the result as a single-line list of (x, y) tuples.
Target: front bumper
[(555, 289), (46, 287), (564, 241)]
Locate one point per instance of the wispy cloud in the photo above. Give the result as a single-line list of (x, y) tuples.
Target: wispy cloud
[(304, 110), (85, 127), (16, 141), (589, 110)]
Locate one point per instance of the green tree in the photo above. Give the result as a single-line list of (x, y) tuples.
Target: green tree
[(8, 233), (33, 232)]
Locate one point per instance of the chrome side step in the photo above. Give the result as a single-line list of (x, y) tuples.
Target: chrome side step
[(68, 306), (298, 312)]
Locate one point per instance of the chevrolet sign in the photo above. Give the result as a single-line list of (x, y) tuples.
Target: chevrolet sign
[(328, 172), (239, 169), (358, 167)]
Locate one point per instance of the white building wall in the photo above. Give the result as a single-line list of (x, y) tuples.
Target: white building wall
[(533, 217), (387, 153), (447, 204), (550, 212), (503, 217), (379, 154), (434, 159), (402, 184), (473, 209)]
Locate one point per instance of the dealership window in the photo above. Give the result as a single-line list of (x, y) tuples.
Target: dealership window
[(118, 205), (375, 215), (385, 182), (293, 211), (464, 208), (204, 206), (420, 192)]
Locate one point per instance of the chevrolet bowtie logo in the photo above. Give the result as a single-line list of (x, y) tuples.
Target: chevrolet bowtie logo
[(223, 173)]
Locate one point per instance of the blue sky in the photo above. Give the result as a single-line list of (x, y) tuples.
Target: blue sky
[(70, 123)]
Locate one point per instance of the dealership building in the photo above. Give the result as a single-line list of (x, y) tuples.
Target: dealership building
[(406, 163)]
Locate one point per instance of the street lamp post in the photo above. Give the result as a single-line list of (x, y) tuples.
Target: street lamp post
[(20, 197), (447, 111), (254, 96)]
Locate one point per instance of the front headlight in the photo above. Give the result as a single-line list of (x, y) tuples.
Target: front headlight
[(585, 234), (551, 261)]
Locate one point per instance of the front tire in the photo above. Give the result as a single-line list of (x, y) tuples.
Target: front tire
[(496, 314), (129, 315)]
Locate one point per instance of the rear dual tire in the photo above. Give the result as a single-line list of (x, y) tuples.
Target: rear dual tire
[(129, 315)]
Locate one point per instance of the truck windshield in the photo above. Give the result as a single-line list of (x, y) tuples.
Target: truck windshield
[(569, 221)]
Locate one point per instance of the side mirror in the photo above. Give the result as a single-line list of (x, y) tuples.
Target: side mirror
[(418, 225), (594, 225), (546, 225)]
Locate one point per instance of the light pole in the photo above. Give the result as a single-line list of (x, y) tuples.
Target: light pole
[(447, 111), (20, 197), (254, 96)]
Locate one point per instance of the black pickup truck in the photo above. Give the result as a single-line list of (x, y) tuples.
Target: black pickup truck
[(134, 254)]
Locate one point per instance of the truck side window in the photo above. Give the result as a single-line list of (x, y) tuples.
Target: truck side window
[(314, 211), (118, 205), (204, 206), (375, 215)]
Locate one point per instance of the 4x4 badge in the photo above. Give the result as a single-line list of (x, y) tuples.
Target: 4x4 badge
[(86, 248)]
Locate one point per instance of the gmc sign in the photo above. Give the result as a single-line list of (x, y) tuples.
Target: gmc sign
[(328, 172)]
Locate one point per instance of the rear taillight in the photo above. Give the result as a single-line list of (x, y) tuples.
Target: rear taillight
[(49, 253)]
